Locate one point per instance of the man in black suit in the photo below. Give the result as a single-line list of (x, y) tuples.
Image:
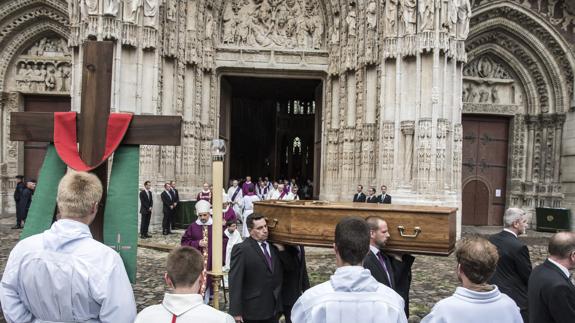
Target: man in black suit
[(255, 276), (551, 293), (26, 200), (389, 269), (514, 265), (176, 198), (359, 196), (384, 197), (167, 209), (371, 197), (20, 186), (295, 278), (146, 204)]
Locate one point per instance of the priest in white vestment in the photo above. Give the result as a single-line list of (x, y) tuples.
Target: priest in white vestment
[(280, 193), (476, 301), (183, 304), (62, 274), (351, 294), (248, 203), (235, 194)]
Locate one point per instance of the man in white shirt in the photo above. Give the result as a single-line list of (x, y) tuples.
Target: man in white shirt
[(184, 303), (62, 274), (248, 203), (351, 294), (476, 301), (280, 193)]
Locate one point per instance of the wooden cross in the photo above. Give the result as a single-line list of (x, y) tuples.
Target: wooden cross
[(93, 120)]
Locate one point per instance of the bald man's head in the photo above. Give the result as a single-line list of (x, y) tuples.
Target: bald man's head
[(562, 245)]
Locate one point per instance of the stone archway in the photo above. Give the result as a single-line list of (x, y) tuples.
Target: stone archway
[(520, 68)]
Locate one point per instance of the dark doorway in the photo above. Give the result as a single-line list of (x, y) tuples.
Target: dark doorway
[(484, 169), (34, 152), (270, 125)]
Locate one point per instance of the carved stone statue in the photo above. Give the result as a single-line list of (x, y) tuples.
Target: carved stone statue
[(131, 8), (391, 18), (426, 14), (371, 15), (408, 16), (463, 17), (111, 7), (74, 11), (230, 22), (351, 23), (151, 13), (91, 7), (209, 31)]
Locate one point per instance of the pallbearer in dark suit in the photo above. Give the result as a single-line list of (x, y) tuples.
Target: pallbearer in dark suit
[(371, 197), (295, 278), (384, 197), (389, 269), (255, 276), (167, 208), (146, 204), (551, 293), (359, 196), (514, 265)]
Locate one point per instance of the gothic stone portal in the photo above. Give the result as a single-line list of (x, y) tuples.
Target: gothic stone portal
[(269, 124)]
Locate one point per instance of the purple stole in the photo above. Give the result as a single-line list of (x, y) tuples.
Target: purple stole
[(236, 193), (282, 195)]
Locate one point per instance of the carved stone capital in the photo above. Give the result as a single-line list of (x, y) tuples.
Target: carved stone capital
[(408, 127)]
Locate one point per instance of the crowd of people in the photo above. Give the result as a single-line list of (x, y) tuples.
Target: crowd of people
[(371, 196), (63, 275)]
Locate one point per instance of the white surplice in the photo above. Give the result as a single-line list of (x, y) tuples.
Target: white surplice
[(188, 308), (237, 203), (248, 203), (63, 275), (475, 307), (351, 295)]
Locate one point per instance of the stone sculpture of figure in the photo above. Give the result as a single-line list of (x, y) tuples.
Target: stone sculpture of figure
[(351, 23), (426, 14), (209, 25), (111, 7), (131, 8), (391, 18), (484, 96), (314, 25), (74, 11), (371, 15), (452, 17), (551, 4), (494, 95), (50, 80), (463, 17), (151, 13), (230, 22), (335, 30), (409, 16), (91, 6)]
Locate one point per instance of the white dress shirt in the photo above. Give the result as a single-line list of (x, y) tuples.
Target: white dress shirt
[(63, 275), (188, 308)]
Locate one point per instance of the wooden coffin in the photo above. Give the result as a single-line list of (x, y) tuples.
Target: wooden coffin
[(413, 229)]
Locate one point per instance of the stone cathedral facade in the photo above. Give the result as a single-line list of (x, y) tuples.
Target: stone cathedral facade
[(400, 80)]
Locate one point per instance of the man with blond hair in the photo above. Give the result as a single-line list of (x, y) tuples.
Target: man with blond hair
[(62, 274), (514, 265), (184, 302), (475, 301)]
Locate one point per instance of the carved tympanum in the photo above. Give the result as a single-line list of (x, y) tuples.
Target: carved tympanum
[(273, 23)]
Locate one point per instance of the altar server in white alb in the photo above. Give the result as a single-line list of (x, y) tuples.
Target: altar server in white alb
[(476, 301), (62, 274), (183, 304), (248, 204), (351, 294)]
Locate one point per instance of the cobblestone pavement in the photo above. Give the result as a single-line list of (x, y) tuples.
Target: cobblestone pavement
[(433, 277)]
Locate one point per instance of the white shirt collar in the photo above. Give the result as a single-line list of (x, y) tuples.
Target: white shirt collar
[(563, 269), (374, 249), (199, 222), (178, 304), (510, 231)]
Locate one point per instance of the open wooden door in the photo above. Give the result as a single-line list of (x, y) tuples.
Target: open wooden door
[(317, 140)]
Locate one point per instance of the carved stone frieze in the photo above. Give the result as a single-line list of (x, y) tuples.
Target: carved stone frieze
[(485, 67), (273, 24)]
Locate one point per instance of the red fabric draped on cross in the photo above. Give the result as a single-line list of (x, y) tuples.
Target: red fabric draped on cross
[(66, 138)]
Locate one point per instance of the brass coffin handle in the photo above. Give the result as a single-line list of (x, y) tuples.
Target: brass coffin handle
[(273, 224), (401, 229)]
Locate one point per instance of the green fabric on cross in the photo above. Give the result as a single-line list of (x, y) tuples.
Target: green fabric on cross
[(44, 201), (121, 213)]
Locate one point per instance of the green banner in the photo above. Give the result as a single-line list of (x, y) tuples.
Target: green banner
[(121, 213), (43, 204)]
